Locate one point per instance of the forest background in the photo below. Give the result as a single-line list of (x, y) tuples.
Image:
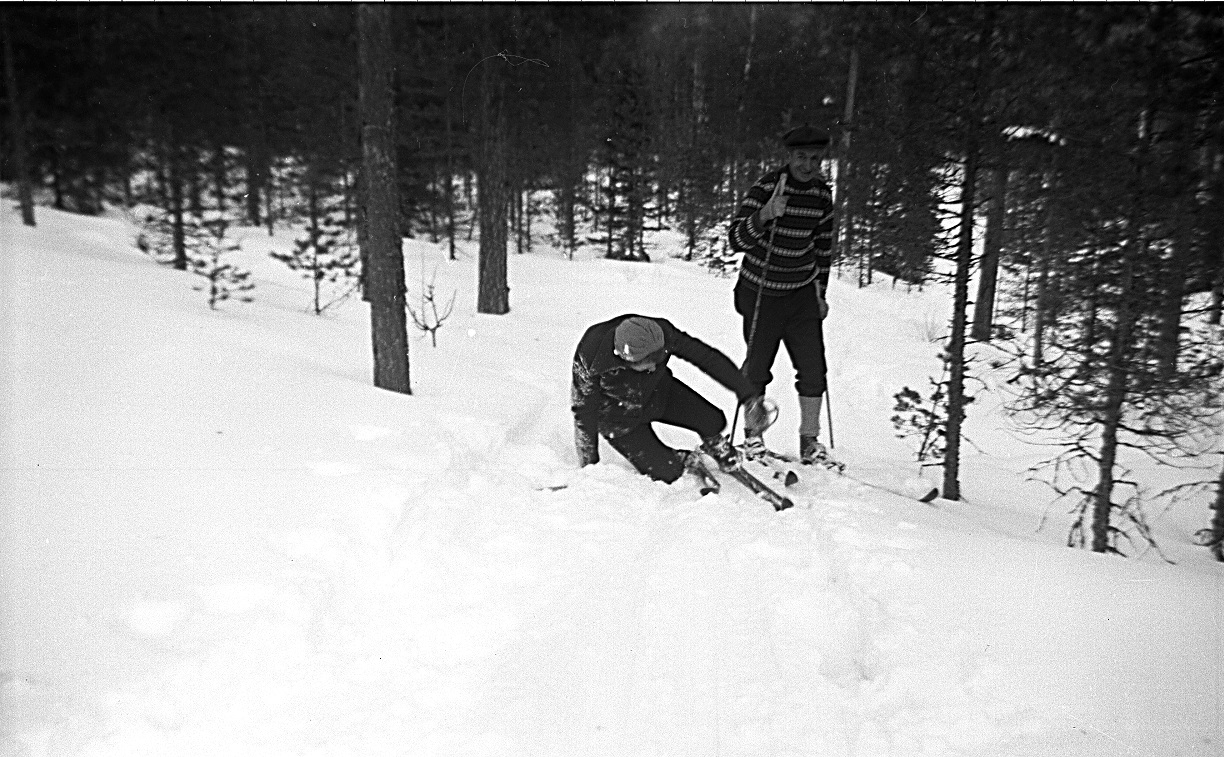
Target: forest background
[(1069, 159)]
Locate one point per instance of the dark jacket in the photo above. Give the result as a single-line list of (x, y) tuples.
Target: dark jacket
[(609, 397), (802, 243)]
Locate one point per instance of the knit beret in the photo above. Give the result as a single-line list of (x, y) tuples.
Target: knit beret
[(637, 338), (806, 136)]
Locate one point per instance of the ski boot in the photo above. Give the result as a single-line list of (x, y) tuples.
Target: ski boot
[(754, 447), (719, 447), (812, 452)]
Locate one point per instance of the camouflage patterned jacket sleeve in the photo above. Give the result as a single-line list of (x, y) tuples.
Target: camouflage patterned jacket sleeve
[(585, 401)]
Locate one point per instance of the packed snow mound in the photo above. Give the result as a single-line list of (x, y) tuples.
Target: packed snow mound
[(219, 539)]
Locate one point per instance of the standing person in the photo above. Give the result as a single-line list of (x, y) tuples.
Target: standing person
[(785, 230), (621, 385)]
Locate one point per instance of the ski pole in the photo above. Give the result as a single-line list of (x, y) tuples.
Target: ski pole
[(829, 413), (779, 188)]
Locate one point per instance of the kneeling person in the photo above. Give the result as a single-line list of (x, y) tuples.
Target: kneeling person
[(621, 385)]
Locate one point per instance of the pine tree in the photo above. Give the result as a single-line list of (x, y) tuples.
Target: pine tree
[(209, 249), (326, 253), (16, 125), (891, 218), (156, 237), (625, 160), (1103, 367)]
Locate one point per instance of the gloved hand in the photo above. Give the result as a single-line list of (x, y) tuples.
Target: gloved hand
[(759, 414)]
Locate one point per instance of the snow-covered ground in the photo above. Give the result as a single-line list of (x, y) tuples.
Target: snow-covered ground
[(218, 538)]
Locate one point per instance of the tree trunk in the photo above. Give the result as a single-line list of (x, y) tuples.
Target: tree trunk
[(565, 216), (527, 207), (178, 208), (1041, 304), (128, 199), (956, 343), (983, 307), (312, 208), (254, 193), (842, 227), (1091, 308), (220, 168), (1217, 521), (1114, 404), (1181, 256), (1025, 297), (270, 205), (745, 82), (611, 217), (256, 165), (1214, 253), (634, 213), (1216, 308), (519, 222), (448, 185), (431, 210), (493, 295), (382, 249), (193, 182), (1172, 293), (21, 169), (1102, 500)]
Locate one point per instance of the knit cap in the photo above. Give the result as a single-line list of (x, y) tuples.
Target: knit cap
[(637, 338)]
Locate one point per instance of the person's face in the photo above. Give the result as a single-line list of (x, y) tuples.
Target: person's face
[(805, 162), (644, 366)]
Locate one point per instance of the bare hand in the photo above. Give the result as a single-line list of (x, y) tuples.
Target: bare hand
[(775, 208), (821, 303)]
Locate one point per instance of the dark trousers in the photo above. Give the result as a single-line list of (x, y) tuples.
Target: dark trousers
[(794, 320), (686, 409)]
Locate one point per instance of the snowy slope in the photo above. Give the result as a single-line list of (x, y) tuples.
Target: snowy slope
[(218, 538)]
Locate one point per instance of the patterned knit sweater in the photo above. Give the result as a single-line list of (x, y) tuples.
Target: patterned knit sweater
[(802, 243)]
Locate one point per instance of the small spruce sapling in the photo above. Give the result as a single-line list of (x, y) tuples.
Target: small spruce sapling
[(916, 419), (225, 280), (328, 256), (925, 419)]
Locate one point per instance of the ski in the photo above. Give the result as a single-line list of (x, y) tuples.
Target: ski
[(778, 467), (921, 491), (750, 482), (779, 462), (828, 464), (758, 487), (709, 484)]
